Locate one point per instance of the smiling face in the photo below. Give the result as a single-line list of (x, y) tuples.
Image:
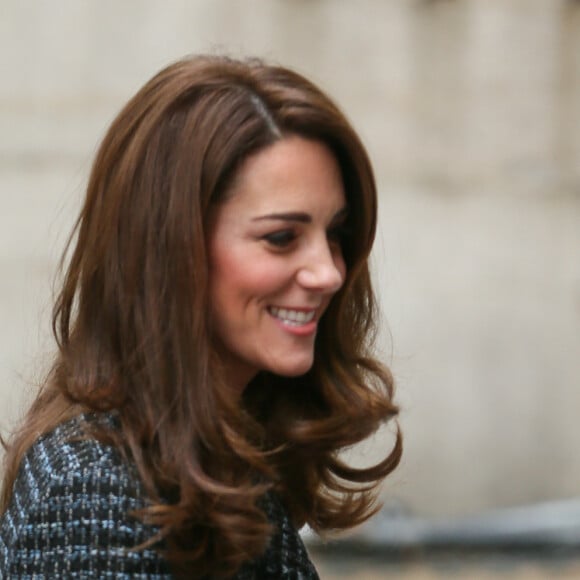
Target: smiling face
[(275, 258)]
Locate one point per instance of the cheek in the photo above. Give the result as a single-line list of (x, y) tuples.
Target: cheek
[(342, 268), (340, 264), (237, 281), (226, 282)]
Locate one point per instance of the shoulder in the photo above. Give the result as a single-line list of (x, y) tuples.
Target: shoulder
[(72, 507), (69, 460)]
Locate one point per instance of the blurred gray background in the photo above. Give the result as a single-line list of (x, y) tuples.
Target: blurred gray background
[(470, 110)]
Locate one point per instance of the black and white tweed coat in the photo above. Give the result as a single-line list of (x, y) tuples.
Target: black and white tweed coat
[(69, 518)]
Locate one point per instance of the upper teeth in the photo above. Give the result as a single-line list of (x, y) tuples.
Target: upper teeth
[(295, 317)]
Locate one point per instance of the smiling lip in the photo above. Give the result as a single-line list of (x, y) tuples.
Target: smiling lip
[(298, 321)]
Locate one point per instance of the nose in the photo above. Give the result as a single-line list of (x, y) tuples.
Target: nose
[(323, 269)]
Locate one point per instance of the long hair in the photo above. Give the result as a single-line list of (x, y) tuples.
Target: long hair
[(134, 335)]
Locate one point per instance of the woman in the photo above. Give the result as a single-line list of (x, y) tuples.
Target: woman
[(214, 335)]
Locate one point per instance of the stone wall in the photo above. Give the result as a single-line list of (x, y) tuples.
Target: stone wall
[(471, 113)]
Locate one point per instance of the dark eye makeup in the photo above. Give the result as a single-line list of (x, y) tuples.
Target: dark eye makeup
[(339, 232), (280, 239)]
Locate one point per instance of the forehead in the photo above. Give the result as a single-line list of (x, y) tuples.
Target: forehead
[(292, 172)]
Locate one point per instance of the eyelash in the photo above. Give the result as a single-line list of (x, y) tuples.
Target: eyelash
[(284, 238), (281, 239), (338, 233)]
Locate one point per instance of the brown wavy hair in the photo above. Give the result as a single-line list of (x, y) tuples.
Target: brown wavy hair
[(134, 335)]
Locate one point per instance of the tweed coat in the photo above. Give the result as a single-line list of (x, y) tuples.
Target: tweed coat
[(69, 518)]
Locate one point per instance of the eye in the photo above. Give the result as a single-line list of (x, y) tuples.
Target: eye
[(338, 233), (281, 239)]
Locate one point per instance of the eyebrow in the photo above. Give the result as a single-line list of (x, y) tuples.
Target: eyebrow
[(287, 217), (298, 216)]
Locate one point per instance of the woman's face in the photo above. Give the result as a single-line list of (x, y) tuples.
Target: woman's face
[(275, 258)]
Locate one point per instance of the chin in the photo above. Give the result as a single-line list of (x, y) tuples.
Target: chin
[(295, 370)]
